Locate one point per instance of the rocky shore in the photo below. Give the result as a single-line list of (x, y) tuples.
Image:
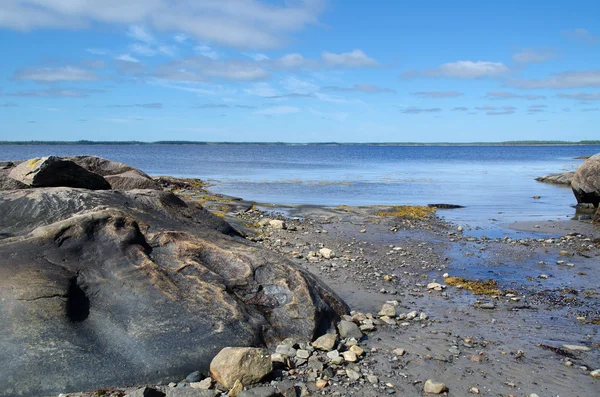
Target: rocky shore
[(432, 307)]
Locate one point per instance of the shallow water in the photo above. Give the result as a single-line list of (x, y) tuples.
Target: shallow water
[(495, 183)]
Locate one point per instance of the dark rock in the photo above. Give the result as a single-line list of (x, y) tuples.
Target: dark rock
[(53, 171), (586, 181), (104, 288), (194, 377), (146, 392), (131, 180), (446, 206), (564, 178), (120, 176)]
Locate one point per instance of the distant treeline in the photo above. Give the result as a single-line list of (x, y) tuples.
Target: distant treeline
[(506, 143)]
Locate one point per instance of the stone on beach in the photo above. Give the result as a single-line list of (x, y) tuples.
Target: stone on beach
[(349, 330), (244, 364), (325, 342), (326, 253), (277, 224), (434, 387)]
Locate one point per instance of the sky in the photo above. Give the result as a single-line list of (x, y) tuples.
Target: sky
[(300, 70)]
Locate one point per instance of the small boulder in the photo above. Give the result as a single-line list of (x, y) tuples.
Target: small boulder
[(349, 330), (434, 387), (53, 171), (325, 342), (586, 181), (246, 364)]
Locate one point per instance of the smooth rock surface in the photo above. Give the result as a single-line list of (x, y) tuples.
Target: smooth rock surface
[(434, 387), (104, 288), (53, 171), (244, 364), (586, 181)]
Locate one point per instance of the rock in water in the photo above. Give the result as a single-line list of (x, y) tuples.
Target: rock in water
[(558, 179), (244, 364), (53, 171), (104, 288), (586, 181)]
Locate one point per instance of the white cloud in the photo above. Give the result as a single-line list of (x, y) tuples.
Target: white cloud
[(278, 110), (262, 89), (257, 56), (292, 61), (54, 93), (581, 96), (138, 33), (511, 95), (235, 23), (438, 94), (579, 79), (581, 35), (180, 38), (298, 86), (354, 59), (472, 70), (208, 52), (127, 58), (462, 70), (97, 51), (142, 49), (366, 88), (528, 55), (52, 75), (202, 68), (497, 111)]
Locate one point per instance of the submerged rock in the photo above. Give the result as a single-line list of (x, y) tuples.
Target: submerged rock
[(100, 288), (586, 181)]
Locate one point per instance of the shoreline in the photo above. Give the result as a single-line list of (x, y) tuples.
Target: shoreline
[(546, 277)]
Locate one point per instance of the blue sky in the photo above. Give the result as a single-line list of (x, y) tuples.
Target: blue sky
[(299, 71)]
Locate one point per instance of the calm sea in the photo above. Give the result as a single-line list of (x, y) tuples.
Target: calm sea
[(493, 182)]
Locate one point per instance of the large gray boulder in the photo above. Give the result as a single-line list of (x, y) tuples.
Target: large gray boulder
[(120, 176), (586, 181), (107, 288), (53, 171)]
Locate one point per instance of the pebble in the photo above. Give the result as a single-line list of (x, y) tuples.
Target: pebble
[(327, 253), (388, 310), (350, 356), (595, 373), (399, 352), (434, 387), (373, 379), (576, 348), (352, 374), (325, 342), (474, 390), (487, 305), (203, 385), (321, 383), (349, 330)]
